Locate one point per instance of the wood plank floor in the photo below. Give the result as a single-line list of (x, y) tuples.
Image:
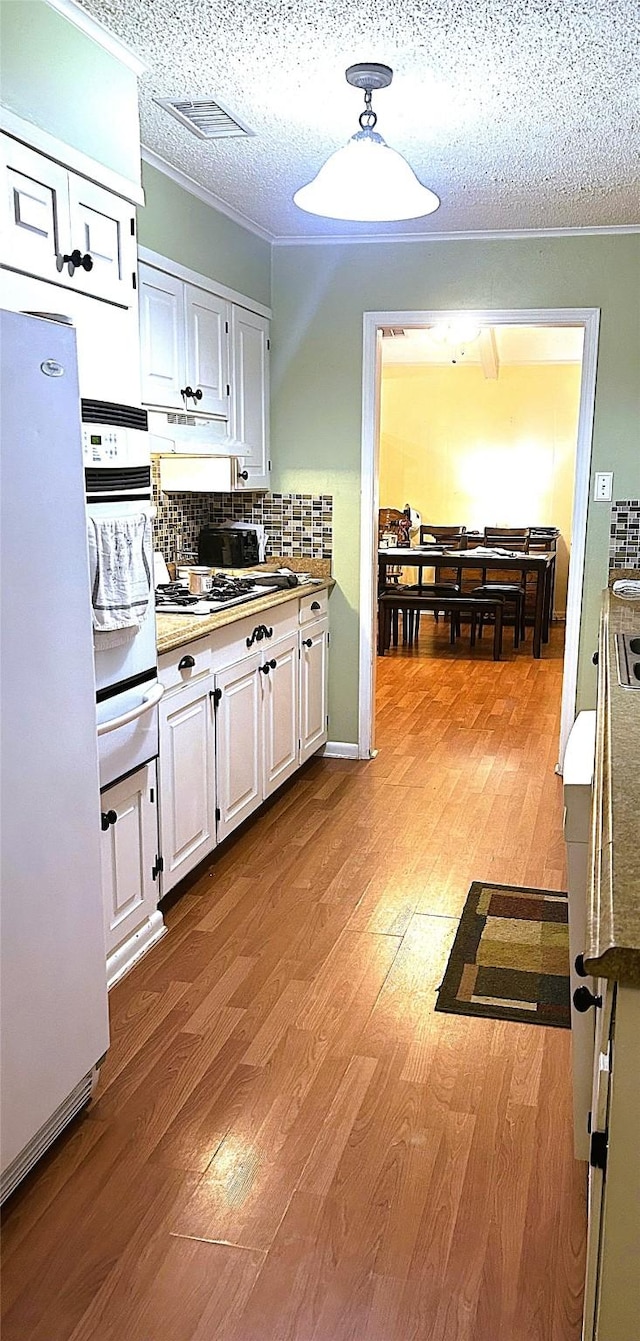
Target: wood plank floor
[(287, 1143)]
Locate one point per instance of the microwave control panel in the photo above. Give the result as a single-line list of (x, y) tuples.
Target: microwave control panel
[(109, 445)]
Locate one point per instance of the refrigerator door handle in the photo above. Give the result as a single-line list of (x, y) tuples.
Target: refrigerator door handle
[(149, 701)]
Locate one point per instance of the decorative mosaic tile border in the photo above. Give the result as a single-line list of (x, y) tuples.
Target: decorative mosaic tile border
[(297, 525), (624, 535)]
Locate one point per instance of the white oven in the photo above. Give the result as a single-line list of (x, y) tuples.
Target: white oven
[(115, 446)]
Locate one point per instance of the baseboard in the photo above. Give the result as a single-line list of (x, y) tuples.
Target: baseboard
[(137, 945), (340, 749)]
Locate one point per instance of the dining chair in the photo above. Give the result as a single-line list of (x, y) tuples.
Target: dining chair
[(513, 593)]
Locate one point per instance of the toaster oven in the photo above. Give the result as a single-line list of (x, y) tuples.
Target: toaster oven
[(228, 547)]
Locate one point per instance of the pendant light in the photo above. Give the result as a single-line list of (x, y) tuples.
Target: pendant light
[(366, 180)]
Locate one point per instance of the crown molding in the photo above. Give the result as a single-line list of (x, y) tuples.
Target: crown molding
[(202, 193), (478, 235), (36, 138), (98, 33)]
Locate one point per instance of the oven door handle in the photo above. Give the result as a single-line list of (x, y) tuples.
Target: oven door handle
[(149, 701)]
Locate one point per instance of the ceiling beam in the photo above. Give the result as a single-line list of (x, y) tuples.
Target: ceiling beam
[(489, 353)]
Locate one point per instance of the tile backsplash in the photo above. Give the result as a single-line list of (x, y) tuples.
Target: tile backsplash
[(296, 524), (624, 535)]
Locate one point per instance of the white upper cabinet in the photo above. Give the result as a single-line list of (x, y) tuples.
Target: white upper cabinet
[(184, 337), (207, 352), (62, 228), (35, 211), (161, 338), (250, 399), (103, 231)]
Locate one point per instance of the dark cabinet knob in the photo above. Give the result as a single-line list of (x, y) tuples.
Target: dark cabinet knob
[(187, 663), (583, 999), (307, 642), (197, 394), (273, 664), (265, 669), (243, 474), (595, 658), (107, 817), (76, 260), (579, 967), (315, 605)]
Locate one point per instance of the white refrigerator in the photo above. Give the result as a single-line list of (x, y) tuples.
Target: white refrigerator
[(54, 1019)]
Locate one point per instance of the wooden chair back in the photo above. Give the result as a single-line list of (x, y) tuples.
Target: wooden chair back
[(441, 534)]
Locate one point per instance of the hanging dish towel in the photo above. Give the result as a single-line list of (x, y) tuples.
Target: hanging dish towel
[(120, 565)]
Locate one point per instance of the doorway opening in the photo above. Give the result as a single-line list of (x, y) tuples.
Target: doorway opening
[(483, 419)]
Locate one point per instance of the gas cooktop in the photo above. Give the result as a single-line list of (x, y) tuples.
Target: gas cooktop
[(174, 598)]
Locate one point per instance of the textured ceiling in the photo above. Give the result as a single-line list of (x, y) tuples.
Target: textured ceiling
[(514, 345), (519, 113)]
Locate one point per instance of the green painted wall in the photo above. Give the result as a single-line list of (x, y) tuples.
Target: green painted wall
[(319, 295), (54, 76), (180, 226)]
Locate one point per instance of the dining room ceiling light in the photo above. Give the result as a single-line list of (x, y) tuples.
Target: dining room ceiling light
[(366, 180)]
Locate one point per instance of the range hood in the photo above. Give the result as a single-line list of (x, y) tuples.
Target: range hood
[(195, 435), (182, 474)]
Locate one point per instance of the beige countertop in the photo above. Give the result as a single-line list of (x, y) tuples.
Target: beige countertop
[(613, 914), (175, 631)]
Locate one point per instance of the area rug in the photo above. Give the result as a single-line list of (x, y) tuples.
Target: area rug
[(510, 957)]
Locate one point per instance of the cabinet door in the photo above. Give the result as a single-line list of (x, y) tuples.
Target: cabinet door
[(280, 713), (314, 661), (207, 343), (239, 743), (129, 849), (103, 228), (250, 394), (35, 213), (162, 349), (187, 780)]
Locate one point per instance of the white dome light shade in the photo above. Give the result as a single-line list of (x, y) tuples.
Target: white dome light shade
[(366, 181)]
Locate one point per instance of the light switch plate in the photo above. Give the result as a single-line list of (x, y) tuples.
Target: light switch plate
[(603, 486)]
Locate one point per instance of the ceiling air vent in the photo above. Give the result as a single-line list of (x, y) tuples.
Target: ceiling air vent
[(204, 117), (388, 332)]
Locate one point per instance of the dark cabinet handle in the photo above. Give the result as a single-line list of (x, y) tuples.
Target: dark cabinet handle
[(265, 669), (315, 605), (197, 394), (268, 633), (273, 664), (107, 817), (595, 658), (187, 663), (77, 260), (307, 642), (579, 967), (243, 474), (583, 1000)]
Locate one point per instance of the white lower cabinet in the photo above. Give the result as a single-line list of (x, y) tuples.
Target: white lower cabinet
[(239, 742), (280, 706), (314, 666), (130, 869), (231, 734), (187, 801)]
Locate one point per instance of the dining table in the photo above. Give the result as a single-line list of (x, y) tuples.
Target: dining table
[(490, 560)]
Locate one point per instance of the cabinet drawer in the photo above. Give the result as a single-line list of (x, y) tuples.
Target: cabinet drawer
[(186, 664), (314, 606), (230, 644)]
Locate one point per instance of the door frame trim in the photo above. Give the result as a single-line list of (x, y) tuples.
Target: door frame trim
[(589, 319)]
